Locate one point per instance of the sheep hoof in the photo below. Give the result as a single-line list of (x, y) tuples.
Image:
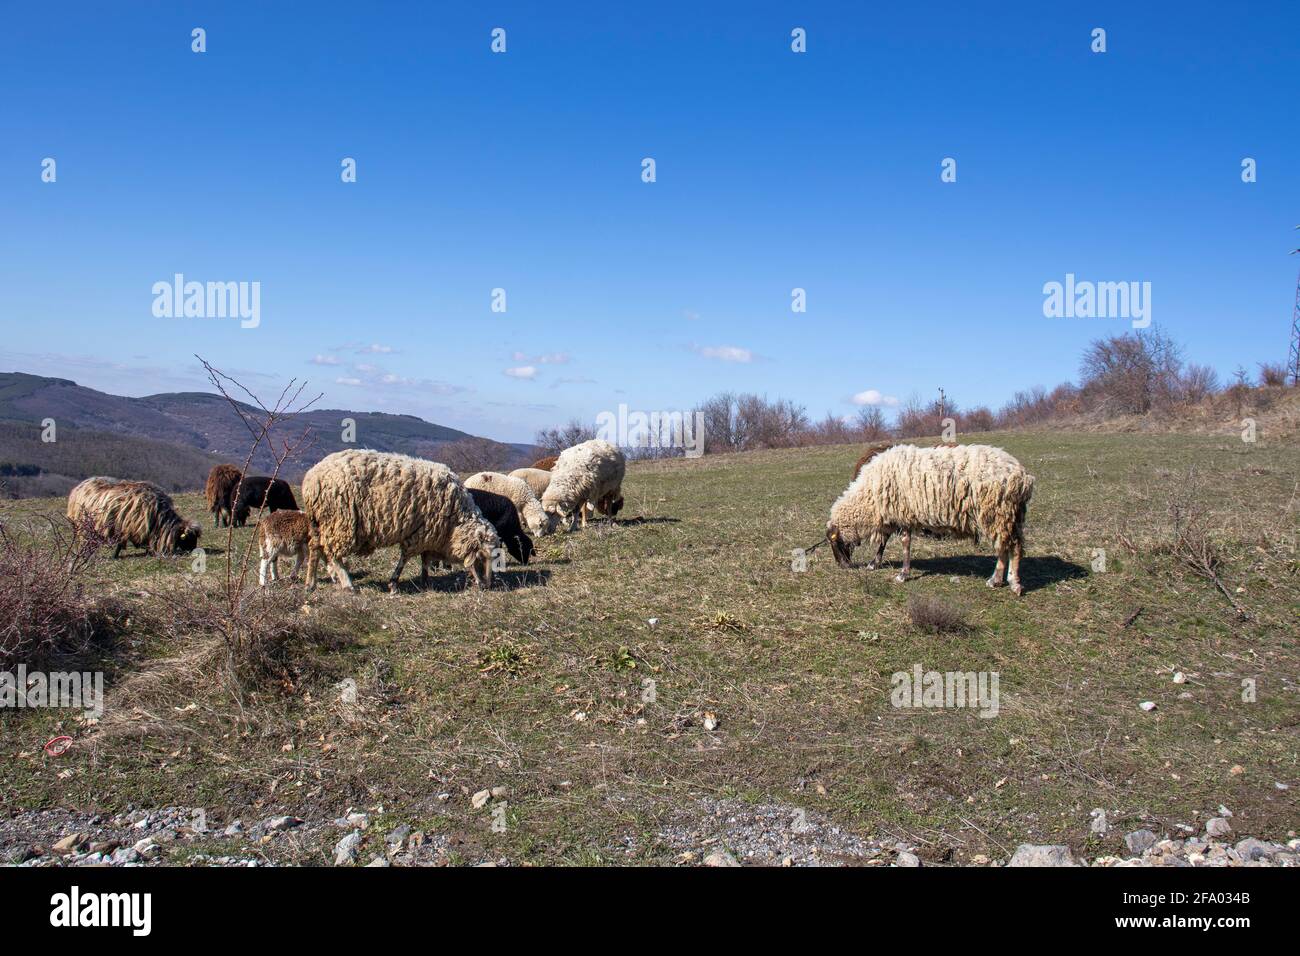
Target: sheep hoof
[(1017, 589), (900, 578), (871, 565), (993, 582)]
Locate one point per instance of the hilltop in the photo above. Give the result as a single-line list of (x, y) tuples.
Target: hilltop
[(173, 438)]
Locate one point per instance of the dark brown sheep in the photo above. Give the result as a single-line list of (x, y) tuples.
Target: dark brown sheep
[(221, 483)]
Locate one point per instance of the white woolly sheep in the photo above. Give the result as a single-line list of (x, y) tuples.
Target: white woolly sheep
[(281, 533), (591, 472), (536, 478), (959, 491), (359, 501), (520, 494)]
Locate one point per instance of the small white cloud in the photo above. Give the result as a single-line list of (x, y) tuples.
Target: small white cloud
[(724, 353), (319, 359), (375, 349), (522, 371), (550, 358), (872, 397), (347, 381)]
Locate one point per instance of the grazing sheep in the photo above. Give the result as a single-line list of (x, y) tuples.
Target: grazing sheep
[(517, 490), (359, 501), (591, 472), (131, 512), (536, 478), (260, 490), (960, 491), (285, 532), (871, 452), (222, 480), (504, 516), (547, 463)]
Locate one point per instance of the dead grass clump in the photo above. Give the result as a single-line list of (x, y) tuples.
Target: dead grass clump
[(932, 614), (49, 615)]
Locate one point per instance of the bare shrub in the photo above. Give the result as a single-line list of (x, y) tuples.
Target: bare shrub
[(871, 424), (932, 614), (555, 440), (48, 616), (1129, 374), (1272, 374), (1197, 383), (469, 455), (1192, 541)]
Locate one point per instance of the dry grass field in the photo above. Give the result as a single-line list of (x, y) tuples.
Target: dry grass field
[(640, 674)]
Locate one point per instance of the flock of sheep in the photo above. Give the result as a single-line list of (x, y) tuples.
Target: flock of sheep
[(356, 502)]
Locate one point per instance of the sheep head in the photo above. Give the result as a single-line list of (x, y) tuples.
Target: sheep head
[(188, 539), (842, 549)]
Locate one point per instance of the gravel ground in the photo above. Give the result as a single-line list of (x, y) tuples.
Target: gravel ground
[(710, 833)]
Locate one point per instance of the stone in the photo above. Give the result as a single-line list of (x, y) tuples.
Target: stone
[(1139, 841), (480, 799), (1252, 849), (69, 844), (720, 858), (1029, 854), (275, 824), (1218, 827), (398, 835), (345, 851), (908, 859)]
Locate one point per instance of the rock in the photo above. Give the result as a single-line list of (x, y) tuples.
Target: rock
[(69, 844), (1148, 705), (1252, 849), (345, 851), (359, 820), (235, 829), (104, 846), (378, 861), (1099, 824), (1180, 677), (1029, 854), (125, 854), (1225, 812), (398, 835), (1139, 841), (480, 799), (275, 824), (907, 859), (1218, 827), (720, 858), (498, 793)]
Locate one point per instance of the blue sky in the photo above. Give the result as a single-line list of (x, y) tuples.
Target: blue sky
[(522, 171)]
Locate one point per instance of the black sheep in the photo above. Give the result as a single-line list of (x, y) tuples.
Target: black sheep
[(501, 512), (255, 490)]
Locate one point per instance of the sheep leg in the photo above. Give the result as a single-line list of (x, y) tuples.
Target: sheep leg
[(312, 557), (397, 573), (261, 571), (297, 565), (1017, 552), (880, 554), (1000, 569), (340, 574), (907, 558), (117, 552), (424, 569)]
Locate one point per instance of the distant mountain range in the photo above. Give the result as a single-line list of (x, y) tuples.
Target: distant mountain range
[(174, 438)]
